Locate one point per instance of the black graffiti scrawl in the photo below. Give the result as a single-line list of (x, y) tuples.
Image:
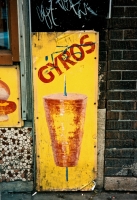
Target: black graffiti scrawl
[(62, 15)]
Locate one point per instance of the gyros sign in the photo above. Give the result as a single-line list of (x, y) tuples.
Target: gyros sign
[(70, 56)]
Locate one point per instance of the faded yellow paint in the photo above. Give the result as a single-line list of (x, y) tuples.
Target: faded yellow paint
[(81, 78), (10, 107)]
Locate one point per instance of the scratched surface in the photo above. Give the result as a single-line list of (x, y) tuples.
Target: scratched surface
[(65, 74), (63, 15), (10, 106)]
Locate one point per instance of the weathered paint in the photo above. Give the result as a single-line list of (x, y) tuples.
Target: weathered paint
[(10, 107), (65, 69)]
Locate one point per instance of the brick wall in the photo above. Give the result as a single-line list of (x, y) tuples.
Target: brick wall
[(121, 103)]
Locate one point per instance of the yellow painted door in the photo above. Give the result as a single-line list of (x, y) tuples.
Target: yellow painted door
[(65, 78)]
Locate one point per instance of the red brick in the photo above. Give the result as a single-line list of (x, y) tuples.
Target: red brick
[(112, 115), (130, 11), (119, 153), (102, 55), (116, 34), (128, 95), (112, 134), (122, 65), (103, 35), (119, 143), (115, 55), (129, 55), (113, 95), (101, 104), (121, 85), (124, 23), (128, 115), (129, 75), (121, 105), (115, 162), (130, 34), (118, 12), (114, 75), (119, 45)]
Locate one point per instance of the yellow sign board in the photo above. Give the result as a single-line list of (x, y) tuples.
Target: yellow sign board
[(10, 108), (65, 69)]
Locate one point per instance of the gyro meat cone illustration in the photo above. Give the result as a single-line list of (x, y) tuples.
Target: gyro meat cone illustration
[(6, 107), (4, 91), (65, 116)]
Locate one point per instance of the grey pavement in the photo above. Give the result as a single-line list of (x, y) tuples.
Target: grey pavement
[(95, 195)]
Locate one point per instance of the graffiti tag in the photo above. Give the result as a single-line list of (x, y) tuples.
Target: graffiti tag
[(46, 14)]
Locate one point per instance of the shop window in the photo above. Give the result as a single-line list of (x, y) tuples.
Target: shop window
[(9, 46)]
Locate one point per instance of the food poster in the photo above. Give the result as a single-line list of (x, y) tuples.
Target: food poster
[(10, 106), (65, 69)]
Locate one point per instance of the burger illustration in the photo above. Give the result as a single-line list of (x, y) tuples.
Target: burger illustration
[(6, 107)]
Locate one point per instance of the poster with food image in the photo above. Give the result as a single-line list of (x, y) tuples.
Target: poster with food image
[(65, 78), (10, 108)]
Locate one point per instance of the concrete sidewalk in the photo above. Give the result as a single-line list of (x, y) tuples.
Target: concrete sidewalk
[(70, 196)]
